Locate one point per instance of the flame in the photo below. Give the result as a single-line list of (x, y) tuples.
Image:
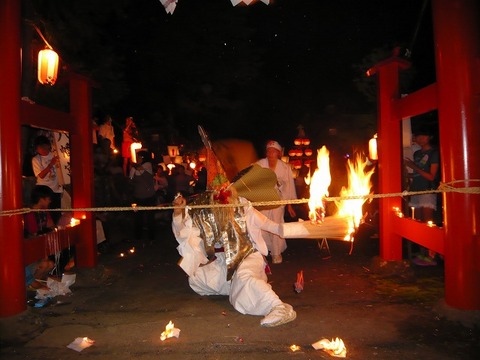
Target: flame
[(334, 347), (168, 331), (319, 184), (74, 222), (358, 184), (294, 347)]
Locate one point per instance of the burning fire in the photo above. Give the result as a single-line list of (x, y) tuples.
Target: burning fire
[(334, 347), (170, 331), (319, 184), (358, 184)]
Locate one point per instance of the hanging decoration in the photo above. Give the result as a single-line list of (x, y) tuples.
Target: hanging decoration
[(170, 5), (47, 66), (248, 2)]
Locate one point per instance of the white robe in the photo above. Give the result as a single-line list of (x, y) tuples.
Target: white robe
[(286, 189), (248, 290)]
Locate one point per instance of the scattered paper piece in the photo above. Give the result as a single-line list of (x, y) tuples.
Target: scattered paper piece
[(56, 288), (80, 343), (334, 347)]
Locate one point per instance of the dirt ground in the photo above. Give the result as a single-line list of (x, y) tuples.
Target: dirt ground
[(380, 310)]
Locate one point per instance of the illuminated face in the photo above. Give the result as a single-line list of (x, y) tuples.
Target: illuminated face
[(422, 139), (273, 153), (43, 150)]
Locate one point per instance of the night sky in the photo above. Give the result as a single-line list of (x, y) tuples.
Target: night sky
[(253, 72)]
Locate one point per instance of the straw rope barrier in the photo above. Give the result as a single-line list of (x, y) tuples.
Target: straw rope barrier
[(444, 187)]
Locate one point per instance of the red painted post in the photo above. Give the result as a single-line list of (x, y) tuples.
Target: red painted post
[(82, 165), (389, 154), (457, 51), (12, 269)]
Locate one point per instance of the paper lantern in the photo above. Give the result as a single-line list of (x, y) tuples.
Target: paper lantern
[(292, 153), (173, 150), (133, 151), (297, 141), (308, 152), (297, 164), (372, 148), (306, 141), (202, 157), (47, 66)]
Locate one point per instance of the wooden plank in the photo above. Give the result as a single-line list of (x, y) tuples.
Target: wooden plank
[(39, 247), (431, 237)]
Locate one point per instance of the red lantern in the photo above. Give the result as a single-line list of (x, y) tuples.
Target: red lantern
[(292, 153), (47, 66), (297, 141), (299, 152), (202, 157), (308, 152), (297, 164)]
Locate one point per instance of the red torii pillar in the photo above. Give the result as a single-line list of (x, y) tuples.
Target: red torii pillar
[(12, 270), (457, 58), (457, 97), (82, 168)]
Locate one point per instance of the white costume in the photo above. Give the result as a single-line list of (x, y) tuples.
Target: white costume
[(248, 290), (286, 189)]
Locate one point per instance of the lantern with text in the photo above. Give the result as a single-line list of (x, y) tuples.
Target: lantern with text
[(47, 66)]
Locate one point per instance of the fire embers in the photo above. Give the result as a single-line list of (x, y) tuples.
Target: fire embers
[(298, 285)]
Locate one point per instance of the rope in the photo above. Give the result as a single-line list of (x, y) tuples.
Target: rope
[(444, 187)]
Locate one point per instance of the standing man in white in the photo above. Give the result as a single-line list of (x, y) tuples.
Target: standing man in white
[(286, 189)]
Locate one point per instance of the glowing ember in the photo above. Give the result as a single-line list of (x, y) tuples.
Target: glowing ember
[(358, 184), (294, 348), (319, 184), (74, 222), (334, 347), (170, 331), (122, 254)]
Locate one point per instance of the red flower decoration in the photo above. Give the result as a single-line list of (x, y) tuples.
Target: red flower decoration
[(222, 196)]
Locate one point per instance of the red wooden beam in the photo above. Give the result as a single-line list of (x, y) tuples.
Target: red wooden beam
[(431, 237), (36, 248), (416, 103), (46, 118)]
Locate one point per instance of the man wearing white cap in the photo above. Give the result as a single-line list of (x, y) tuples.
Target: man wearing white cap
[(286, 189)]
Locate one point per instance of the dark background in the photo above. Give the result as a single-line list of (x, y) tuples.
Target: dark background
[(249, 72)]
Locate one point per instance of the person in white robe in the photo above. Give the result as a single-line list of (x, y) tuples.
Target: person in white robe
[(248, 289), (286, 189)]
